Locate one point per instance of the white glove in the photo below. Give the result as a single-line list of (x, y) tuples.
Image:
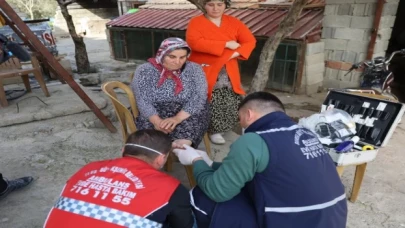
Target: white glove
[(205, 156), (186, 156)]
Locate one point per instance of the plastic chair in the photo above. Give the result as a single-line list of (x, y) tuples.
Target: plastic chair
[(128, 126), (13, 68), (125, 117)]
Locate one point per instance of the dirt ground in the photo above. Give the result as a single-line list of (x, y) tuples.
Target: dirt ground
[(53, 149)]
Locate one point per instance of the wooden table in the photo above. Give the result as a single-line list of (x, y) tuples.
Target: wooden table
[(358, 179)]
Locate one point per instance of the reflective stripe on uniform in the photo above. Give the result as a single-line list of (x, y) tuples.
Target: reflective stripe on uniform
[(306, 208), (105, 214), (193, 203), (293, 127)]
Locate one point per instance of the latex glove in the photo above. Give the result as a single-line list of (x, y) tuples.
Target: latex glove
[(205, 156), (187, 155)]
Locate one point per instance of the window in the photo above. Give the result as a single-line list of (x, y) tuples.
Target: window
[(139, 44), (283, 72), (118, 44)]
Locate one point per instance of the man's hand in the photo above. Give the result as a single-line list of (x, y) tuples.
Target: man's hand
[(169, 124), (233, 45), (205, 156), (188, 155)]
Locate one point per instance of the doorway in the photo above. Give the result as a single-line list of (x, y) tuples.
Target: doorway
[(397, 42)]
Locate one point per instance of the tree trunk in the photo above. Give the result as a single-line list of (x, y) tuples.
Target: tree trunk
[(262, 74), (82, 60), (199, 4), (31, 14)]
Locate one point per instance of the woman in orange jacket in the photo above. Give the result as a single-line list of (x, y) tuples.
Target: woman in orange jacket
[(217, 42)]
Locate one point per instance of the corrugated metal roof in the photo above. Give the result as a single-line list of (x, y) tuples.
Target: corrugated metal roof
[(184, 4), (313, 2), (288, 3), (262, 22), (168, 6)]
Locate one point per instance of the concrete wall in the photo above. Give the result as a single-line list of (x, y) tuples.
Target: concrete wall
[(314, 68), (346, 32), (91, 21)]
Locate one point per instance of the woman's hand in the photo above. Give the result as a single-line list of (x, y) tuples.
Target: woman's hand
[(169, 124), (235, 55), (156, 121), (233, 45)]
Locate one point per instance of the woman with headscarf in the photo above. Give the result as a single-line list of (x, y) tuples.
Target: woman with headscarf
[(171, 94), (218, 41)]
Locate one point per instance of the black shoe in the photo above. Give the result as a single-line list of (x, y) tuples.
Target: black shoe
[(15, 185)]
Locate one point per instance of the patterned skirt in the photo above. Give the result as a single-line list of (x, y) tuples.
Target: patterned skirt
[(193, 128), (224, 110)]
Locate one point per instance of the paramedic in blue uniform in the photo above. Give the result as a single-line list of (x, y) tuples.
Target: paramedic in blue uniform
[(276, 175)]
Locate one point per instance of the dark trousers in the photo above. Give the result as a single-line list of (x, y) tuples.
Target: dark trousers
[(3, 184), (238, 212)]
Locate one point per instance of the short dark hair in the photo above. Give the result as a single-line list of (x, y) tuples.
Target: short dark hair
[(150, 138), (265, 99)]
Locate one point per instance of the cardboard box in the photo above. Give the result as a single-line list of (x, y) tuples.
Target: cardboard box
[(376, 120)]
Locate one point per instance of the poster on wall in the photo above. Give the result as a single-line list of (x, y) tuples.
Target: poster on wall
[(41, 29)]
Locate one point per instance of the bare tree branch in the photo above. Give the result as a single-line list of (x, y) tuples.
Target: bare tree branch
[(28, 5), (65, 2), (82, 59), (199, 4), (262, 74)]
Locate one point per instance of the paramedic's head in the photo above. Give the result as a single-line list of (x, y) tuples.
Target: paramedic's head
[(257, 105), (216, 8), (151, 146)]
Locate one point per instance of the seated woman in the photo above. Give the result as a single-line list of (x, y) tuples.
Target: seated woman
[(171, 94)]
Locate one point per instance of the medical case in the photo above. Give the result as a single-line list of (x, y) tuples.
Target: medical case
[(376, 120)]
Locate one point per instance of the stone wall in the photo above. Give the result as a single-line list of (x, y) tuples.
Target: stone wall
[(91, 21), (346, 32), (314, 68)]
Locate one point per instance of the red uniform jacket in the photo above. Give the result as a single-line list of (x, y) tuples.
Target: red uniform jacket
[(114, 193)]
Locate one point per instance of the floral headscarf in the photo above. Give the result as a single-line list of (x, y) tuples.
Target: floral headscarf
[(227, 2), (168, 45)]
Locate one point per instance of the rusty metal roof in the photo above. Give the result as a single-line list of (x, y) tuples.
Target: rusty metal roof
[(184, 4), (287, 4), (262, 22)]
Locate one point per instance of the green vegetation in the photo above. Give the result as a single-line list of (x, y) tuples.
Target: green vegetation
[(36, 9)]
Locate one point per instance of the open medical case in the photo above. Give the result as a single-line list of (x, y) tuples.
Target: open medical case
[(376, 120)]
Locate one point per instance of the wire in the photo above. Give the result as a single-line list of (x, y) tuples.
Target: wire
[(18, 108)]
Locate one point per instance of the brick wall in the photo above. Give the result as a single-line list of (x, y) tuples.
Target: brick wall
[(314, 68), (346, 32)]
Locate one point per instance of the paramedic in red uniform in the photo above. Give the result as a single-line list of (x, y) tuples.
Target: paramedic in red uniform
[(125, 192)]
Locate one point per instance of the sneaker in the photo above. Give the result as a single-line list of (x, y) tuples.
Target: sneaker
[(15, 185), (217, 139)]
